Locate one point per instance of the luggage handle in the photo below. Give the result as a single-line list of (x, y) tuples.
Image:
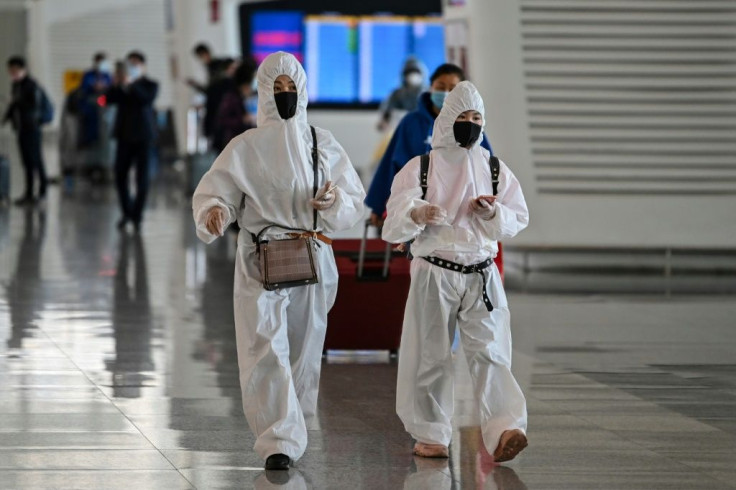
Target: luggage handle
[(361, 254)]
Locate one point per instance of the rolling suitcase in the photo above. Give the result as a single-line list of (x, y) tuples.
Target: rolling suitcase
[(372, 288)]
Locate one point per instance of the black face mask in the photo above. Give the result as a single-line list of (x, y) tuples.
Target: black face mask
[(286, 103), (466, 132)]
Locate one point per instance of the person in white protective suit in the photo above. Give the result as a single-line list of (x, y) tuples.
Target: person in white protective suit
[(265, 177), (454, 283)]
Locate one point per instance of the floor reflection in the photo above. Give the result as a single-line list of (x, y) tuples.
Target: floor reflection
[(470, 467), (25, 291), (283, 480), (132, 321)]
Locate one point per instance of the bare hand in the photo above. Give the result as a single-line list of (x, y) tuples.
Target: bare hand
[(376, 220), (215, 221), (484, 206)]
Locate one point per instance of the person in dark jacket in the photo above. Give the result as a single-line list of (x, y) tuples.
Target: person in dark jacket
[(413, 137), (95, 82), (219, 82), (233, 117), (135, 131), (24, 113)]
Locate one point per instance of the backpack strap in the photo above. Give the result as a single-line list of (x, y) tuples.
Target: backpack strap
[(495, 172), (424, 174), (315, 165)]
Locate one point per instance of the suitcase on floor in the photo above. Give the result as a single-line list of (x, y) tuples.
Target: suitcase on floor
[(371, 295)]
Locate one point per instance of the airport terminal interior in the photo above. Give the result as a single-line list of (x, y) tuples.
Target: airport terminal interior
[(118, 359)]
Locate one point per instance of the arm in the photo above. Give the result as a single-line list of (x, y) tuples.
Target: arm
[(486, 143), (512, 215), (406, 195), (348, 208), (144, 91), (114, 94), (395, 156), (218, 188)]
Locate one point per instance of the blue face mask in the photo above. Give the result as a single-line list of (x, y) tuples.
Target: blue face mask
[(438, 98)]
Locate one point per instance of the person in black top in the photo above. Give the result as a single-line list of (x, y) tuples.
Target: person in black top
[(24, 113), (135, 131), (219, 82)]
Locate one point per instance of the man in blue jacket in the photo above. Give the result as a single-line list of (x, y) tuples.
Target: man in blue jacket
[(413, 137)]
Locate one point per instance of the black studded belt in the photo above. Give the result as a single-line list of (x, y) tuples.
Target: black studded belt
[(478, 268)]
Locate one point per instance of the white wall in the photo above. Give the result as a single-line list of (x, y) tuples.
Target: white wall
[(512, 58)]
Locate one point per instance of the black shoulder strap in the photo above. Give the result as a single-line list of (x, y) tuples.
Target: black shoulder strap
[(495, 172), (315, 162), (424, 174)]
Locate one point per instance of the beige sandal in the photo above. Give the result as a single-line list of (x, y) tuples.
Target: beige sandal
[(511, 444), (431, 450)]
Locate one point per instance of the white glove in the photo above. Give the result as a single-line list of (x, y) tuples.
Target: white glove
[(325, 197), (428, 214), (215, 221), (484, 207)]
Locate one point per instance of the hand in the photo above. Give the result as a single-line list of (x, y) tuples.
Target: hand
[(325, 197), (428, 214), (484, 207), (215, 221), (376, 220), (382, 125)]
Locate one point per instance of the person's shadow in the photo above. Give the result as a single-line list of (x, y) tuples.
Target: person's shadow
[(132, 320), (24, 293)]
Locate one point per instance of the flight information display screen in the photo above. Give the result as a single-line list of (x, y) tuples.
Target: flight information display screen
[(349, 59)]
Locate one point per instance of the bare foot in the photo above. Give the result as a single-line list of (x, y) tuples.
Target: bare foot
[(431, 450), (511, 444)]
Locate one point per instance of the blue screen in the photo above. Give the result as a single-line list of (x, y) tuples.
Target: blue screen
[(349, 59), (384, 45), (331, 59)]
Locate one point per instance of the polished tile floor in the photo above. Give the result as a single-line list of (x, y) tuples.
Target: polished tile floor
[(118, 370)]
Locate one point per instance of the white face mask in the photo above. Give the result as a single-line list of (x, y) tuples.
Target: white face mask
[(414, 79), (134, 71), (104, 66)]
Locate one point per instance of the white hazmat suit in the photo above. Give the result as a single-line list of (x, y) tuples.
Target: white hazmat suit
[(442, 300), (265, 177)]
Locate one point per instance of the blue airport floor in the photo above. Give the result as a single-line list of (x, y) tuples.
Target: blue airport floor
[(118, 370)]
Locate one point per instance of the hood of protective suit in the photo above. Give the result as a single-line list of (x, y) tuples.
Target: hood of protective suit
[(414, 64), (464, 97), (273, 66)]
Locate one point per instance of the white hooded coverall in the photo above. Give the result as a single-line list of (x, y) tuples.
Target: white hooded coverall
[(442, 300), (264, 177)]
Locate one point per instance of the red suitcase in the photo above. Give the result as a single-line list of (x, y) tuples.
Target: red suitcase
[(371, 295), (372, 288)]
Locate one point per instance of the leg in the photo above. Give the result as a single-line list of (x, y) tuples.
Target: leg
[(425, 390), (307, 319), (40, 165), (25, 145), (142, 159), (269, 400), (486, 339), (123, 162)]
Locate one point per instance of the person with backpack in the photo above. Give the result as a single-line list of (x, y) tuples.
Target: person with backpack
[(412, 137), (29, 109), (456, 204)]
